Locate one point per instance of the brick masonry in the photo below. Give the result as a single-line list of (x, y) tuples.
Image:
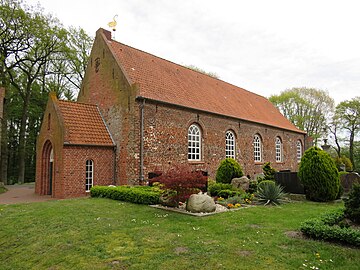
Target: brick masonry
[(165, 134), (165, 140)]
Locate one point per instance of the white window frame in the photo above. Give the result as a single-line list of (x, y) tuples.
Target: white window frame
[(299, 150), (278, 150), (194, 143), (257, 143), (89, 174), (230, 144)]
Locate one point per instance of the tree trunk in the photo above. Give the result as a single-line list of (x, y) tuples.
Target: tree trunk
[(351, 148), (4, 148), (22, 139)]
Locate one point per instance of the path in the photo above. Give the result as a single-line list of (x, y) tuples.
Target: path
[(22, 194)]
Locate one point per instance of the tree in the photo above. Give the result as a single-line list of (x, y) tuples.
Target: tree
[(348, 113), (307, 108), (36, 55), (211, 74)]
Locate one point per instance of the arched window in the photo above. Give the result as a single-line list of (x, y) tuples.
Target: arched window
[(278, 150), (230, 144), (194, 143), (257, 148), (89, 174), (299, 149)]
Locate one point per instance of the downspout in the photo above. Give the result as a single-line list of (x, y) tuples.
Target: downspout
[(114, 168), (141, 176)]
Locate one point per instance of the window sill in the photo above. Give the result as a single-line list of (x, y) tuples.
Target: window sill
[(194, 162), (259, 163)]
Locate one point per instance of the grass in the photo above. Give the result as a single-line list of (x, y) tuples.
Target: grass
[(2, 190), (96, 233)]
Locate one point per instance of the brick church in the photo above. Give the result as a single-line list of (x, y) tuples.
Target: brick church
[(137, 113)]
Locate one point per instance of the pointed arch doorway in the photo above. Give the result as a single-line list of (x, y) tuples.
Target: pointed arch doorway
[(47, 171)]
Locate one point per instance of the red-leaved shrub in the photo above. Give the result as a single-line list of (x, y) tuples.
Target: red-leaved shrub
[(183, 180)]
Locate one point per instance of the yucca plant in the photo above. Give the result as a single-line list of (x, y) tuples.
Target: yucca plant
[(269, 192)]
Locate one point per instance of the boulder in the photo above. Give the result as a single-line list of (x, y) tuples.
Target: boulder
[(200, 203), (241, 183)]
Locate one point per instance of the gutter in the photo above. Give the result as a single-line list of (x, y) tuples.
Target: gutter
[(141, 174)]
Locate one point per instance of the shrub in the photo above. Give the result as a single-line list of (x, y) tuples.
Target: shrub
[(324, 229), (227, 170), (270, 193), (183, 181), (214, 188), (133, 194), (319, 175), (269, 172), (252, 186), (265, 182), (352, 204), (343, 160)]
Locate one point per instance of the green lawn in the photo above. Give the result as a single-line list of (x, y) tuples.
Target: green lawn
[(99, 233)]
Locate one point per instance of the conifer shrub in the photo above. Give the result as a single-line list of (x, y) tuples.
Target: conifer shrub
[(269, 172), (319, 175), (227, 170), (352, 204)]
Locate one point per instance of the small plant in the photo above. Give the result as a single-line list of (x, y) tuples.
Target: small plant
[(265, 182), (319, 175), (352, 204), (270, 193), (252, 186), (228, 169), (215, 188)]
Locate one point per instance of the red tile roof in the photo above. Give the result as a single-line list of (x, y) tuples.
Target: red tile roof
[(165, 81), (83, 124)]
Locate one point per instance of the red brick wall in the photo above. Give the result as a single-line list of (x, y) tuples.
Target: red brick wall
[(51, 131), (165, 140), (106, 85), (74, 168)]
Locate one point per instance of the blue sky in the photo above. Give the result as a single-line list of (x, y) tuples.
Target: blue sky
[(260, 45)]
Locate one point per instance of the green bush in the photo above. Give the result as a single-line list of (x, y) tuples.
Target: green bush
[(269, 172), (214, 188), (319, 175), (133, 194), (325, 228), (228, 169), (343, 160), (265, 182), (252, 186), (270, 193), (352, 204)]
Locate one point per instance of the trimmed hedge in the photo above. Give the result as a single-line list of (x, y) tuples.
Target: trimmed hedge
[(133, 194), (325, 228)]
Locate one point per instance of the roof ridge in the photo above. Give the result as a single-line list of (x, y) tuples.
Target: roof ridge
[(76, 102), (187, 68)]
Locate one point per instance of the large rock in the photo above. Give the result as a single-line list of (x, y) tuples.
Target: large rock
[(200, 203), (241, 183)]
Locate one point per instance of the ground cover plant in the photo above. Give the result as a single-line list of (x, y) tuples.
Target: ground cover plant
[(98, 233)]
